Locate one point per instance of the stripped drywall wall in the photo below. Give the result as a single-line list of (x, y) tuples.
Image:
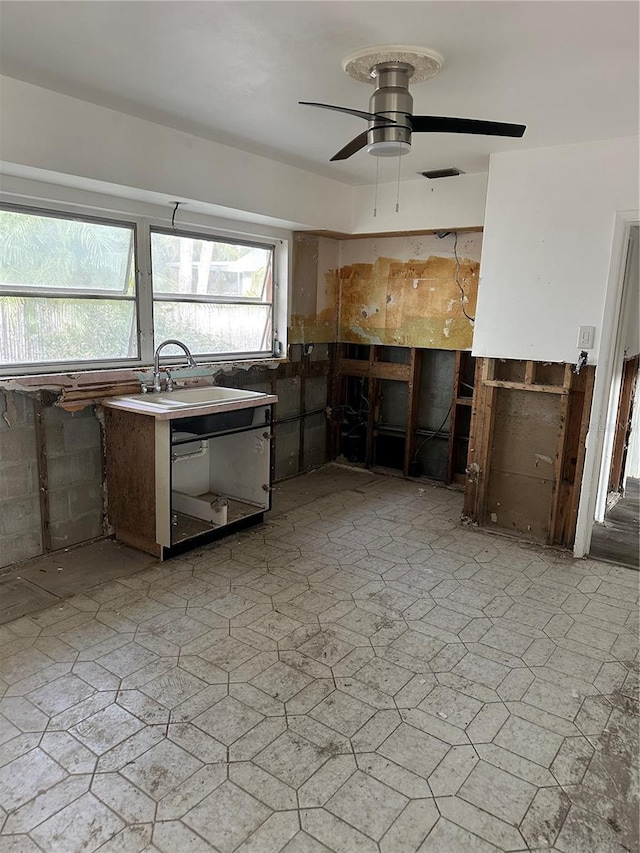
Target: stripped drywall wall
[(413, 291), (521, 479), (526, 448), (409, 291), (314, 291)]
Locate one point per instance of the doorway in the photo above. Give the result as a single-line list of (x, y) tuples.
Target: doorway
[(616, 527)]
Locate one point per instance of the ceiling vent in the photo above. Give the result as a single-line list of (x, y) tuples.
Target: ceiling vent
[(442, 173)]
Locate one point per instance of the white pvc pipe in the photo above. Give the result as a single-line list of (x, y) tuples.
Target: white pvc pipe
[(194, 454)]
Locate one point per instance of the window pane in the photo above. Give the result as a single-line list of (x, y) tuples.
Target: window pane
[(209, 328), (189, 266), (36, 330), (47, 252)]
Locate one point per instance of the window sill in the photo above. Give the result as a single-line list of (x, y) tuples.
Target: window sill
[(78, 389)]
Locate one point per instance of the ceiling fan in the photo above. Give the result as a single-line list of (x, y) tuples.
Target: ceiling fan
[(390, 115)]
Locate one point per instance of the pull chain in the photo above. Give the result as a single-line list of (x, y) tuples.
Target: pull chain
[(398, 190), (375, 201)]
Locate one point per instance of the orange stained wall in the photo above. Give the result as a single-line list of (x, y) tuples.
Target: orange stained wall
[(409, 291)]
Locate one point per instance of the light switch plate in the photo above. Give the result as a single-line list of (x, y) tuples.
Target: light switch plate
[(586, 336)]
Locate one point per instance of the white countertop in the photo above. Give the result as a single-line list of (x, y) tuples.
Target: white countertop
[(145, 404)]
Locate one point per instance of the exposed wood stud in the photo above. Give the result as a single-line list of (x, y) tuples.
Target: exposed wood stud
[(629, 379), (43, 474), (374, 369), (558, 460), (570, 416), (476, 442), (374, 409), (568, 375), (131, 463), (338, 235), (412, 409), (523, 386), (334, 395), (485, 450), (577, 468), (453, 418), (304, 362)]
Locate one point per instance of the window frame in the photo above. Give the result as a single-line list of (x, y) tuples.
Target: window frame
[(205, 299), (47, 367), (142, 226)]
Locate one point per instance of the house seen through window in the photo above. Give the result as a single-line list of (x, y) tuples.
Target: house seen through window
[(215, 296)]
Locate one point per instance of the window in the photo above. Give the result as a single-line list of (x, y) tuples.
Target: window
[(83, 292), (67, 290), (215, 296)]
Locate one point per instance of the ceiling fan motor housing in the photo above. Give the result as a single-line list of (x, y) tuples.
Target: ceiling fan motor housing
[(392, 99), (390, 118)]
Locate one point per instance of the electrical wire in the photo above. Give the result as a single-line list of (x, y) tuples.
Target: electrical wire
[(362, 396), (434, 435), (464, 295), (173, 217), (375, 200)]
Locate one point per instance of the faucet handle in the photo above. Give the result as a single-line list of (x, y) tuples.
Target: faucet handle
[(169, 384)]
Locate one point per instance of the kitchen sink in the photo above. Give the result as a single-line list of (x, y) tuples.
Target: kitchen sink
[(186, 399), (202, 396)]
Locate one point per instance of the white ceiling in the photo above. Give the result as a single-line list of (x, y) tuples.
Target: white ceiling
[(233, 71)]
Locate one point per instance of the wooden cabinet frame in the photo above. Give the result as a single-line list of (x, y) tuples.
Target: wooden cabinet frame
[(575, 392), (375, 370)]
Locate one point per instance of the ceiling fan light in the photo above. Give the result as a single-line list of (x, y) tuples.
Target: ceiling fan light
[(389, 148)]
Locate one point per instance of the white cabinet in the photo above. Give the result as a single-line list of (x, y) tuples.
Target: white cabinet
[(221, 474), (173, 483)]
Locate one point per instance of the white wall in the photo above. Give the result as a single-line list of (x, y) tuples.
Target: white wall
[(62, 136), (632, 331), (46, 136), (444, 203), (547, 246)]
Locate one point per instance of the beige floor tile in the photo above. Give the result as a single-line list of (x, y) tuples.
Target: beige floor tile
[(367, 804), (359, 673), (227, 817), (501, 794)]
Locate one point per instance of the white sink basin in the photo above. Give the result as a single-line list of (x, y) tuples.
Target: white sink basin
[(203, 396), (186, 398)]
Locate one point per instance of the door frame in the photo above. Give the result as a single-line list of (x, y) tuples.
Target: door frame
[(605, 401), (623, 425)]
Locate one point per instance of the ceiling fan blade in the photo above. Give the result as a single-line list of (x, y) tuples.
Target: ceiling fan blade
[(358, 113), (352, 147), (440, 124)]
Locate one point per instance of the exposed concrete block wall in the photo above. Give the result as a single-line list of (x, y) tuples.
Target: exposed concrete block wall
[(20, 526), (73, 455), (74, 467), (73, 459), (300, 418)]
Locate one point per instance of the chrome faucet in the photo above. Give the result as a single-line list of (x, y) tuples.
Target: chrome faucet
[(156, 363)]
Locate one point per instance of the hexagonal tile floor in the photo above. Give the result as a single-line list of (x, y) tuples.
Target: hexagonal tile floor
[(360, 674)]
